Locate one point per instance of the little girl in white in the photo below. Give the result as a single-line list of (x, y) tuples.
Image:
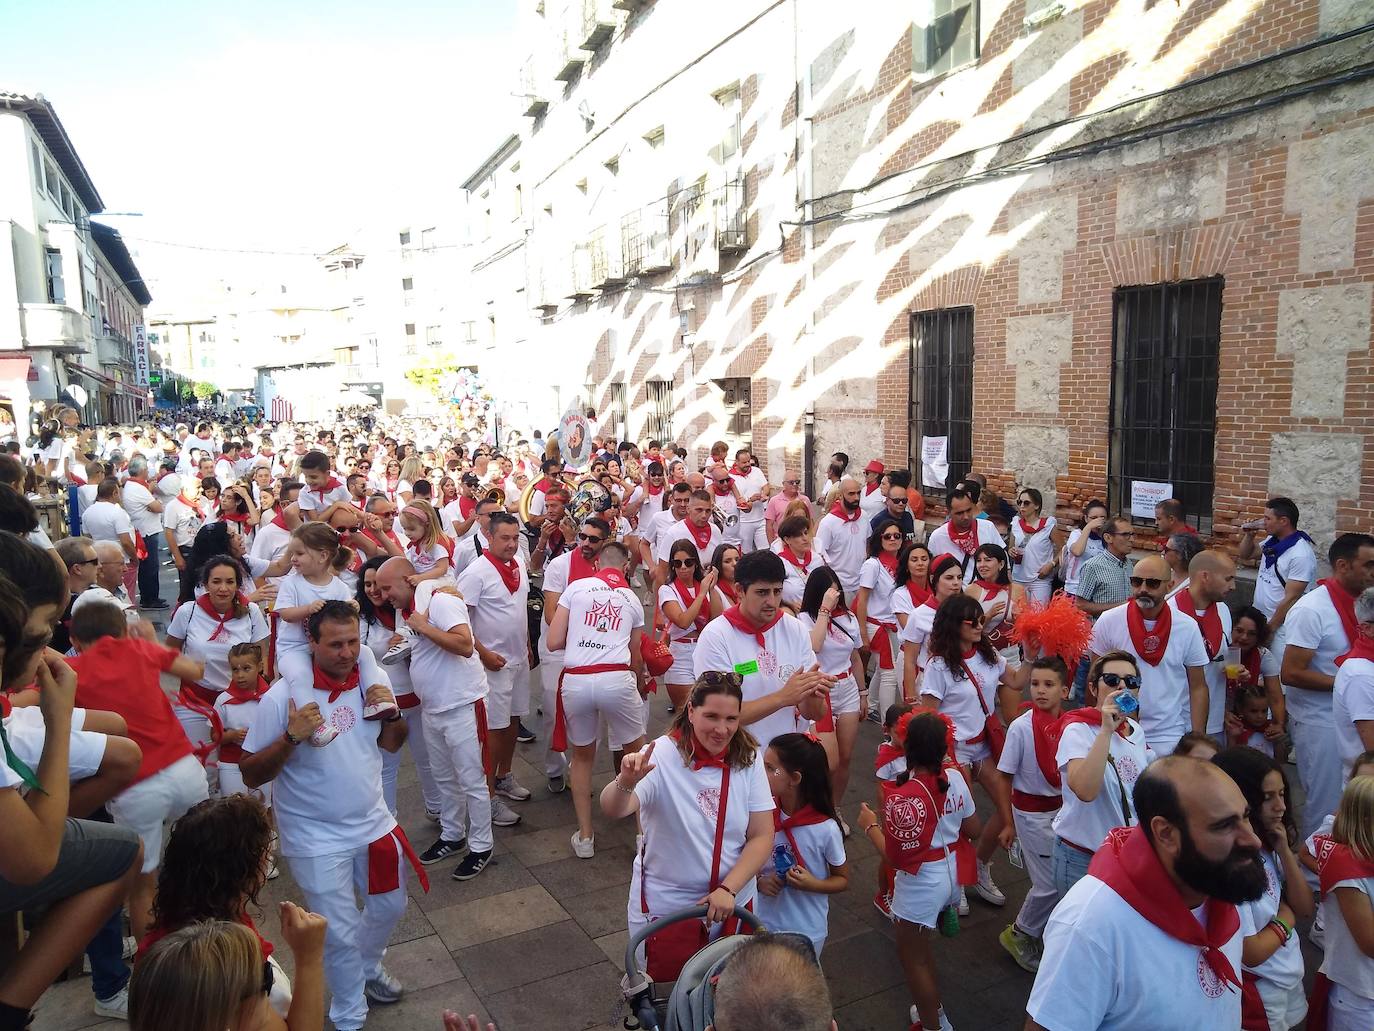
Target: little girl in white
[(808, 861), (317, 558), (236, 707), (1344, 992), (426, 546)]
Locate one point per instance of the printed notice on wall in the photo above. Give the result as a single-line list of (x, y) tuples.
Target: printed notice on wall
[(1146, 495), (934, 461)]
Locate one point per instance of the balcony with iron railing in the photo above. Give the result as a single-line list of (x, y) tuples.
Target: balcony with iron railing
[(569, 57), (607, 261), (645, 240), (732, 218), (530, 92), (597, 23)]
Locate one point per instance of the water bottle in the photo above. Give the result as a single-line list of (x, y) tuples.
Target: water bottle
[(782, 861), (1127, 704)]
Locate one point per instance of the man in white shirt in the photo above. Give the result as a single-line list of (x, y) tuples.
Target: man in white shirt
[(106, 520), (753, 487), (653, 520), (784, 689), (335, 829), (470, 549), (964, 533), (109, 583), (697, 528), (1211, 577), (182, 520), (1320, 629), (1287, 564), (842, 538), (496, 588), (726, 500), (1170, 653), (145, 512), (227, 465), (1151, 937), (1352, 696)]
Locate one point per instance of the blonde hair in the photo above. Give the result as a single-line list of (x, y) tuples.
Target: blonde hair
[(800, 507), (197, 978), (412, 469), (319, 536), (1354, 824), (418, 508)]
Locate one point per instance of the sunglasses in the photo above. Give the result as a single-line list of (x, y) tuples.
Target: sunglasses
[(897, 501), (715, 678), (891, 537), (973, 622), (590, 538), (683, 563), (1025, 502), (791, 483), (1150, 582), (86, 562), (1116, 680)]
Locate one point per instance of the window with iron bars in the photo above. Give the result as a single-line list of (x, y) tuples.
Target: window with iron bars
[(1166, 341), (618, 404), (941, 390), (736, 397), (659, 393)]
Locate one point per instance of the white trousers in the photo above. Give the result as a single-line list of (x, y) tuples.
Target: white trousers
[(1035, 831), (1319, 769), (753, 535), (455, 759), (883, 688), (555, 765), (419, 750), (355, 938), (1037, 590)]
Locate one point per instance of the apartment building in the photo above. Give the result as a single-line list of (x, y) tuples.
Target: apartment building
[(1102, 248)]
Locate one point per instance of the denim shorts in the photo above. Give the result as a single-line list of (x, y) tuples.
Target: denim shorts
[(1070, 866)]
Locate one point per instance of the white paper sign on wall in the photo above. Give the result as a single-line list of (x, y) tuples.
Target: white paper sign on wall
[(1146, 495), (934, 461)]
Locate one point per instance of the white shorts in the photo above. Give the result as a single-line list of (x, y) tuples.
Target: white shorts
[(27, 732), (918, 898), (231, 783), (508, 694), (682, 668), (966, 752), (1285, 1007), (844, 695), (1347, 1011), (146, 806), (588, 697)]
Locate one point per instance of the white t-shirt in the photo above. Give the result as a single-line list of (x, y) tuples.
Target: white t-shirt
[(957, 699), (794, 586), (917, 632), (939, 544), (787, 649), (377, 638), (804, 912), (1164, 698), (192, 625), (226, 472), (1106, 967), (445, 680), (1352, 698), (678, 809), (1313, 623), (424, 558), (1070, 564), (294, 590), (136, 499), (105, 521), (842, 545), (1285, 967), (1086, 823), (1018, 759), (1343, 961), (874, 575), (96, 593), (750, 484), (841, 639), (327, 801), (465, 551), (85, 497), (270, 541), (1037, 549), (670, 533), (1214, 672), (311, 500), (600, 621), (902, 605), (667, 593), (1299, 562), (871, 502), (183, 520), (499, 617)]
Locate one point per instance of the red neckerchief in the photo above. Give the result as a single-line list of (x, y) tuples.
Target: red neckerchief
[(729, 590), (1045, 734), (919, 595), (1127, 864), (838, 509), (1337, 862), (701, 536), (466, 506), (142, 481), (888, 752), (1093, 718), (543, 485), (1361, 648), (1149, 645), (280, 519), (1344, 604), (208, 607), (1209, 621), (686, 597), (889, 561), (802, 564), (324, 682), (612, 578), (578, 567), (235, 695), (722, 493), (701, 758), (990, 590), (737, 471), (509, 570), (967, 541), (1032, 531), (156, 934), (1241, 734), (375, 539), (869, 488), (744, 625), (234, 517), (329, 485), (806, 816), (650, 492)]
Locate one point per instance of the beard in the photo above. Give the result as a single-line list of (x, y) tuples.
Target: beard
[(1240, 877), (850, 505)]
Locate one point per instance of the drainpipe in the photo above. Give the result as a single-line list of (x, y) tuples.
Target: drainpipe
[(805, 191)]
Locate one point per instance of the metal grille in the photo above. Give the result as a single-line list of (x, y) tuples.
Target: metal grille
[(660, 397), (942, 388), (736, 395), (619, 411), (1166, 340)]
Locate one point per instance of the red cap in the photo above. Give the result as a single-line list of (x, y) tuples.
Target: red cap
[(874, 466)]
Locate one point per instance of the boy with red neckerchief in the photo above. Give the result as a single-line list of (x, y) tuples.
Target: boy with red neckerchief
[(325, 498), (1151, 937)]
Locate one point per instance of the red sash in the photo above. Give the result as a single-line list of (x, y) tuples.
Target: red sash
[(508, 570), (806, 816), (384, 863), (559, 742), (1208, 621), (880, 642), (1150, 645), (686, 598), (911, 813), (1127, 864)]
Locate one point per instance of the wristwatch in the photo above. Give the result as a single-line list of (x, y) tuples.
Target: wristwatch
[(291, 740)]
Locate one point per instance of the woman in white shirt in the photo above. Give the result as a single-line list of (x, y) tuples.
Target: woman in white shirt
[(946, 580), (701, 781), (688, 603), (1032, 546), (1259, 666), (873, 606), (1001, 600), (834, 634), (911, 585), (1084, 542), (794, 546)]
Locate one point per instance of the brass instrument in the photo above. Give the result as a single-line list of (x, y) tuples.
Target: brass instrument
[(526, 496), (724, 522), (497, 494)]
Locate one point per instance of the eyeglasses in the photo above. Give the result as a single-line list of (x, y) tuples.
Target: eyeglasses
[(791, 483), (683, 563), (716, 678), (590, 538), (1116, 680), (1150, 582)]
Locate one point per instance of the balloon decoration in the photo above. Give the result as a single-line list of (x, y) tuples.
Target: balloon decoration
[(466, 392)]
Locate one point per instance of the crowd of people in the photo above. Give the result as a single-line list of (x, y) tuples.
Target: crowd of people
[(351, 590)]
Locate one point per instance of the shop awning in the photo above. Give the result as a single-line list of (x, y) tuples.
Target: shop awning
[(15, 368)]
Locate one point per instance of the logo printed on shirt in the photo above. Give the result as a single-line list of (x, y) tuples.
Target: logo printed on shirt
[(343, 719), (708, 801), (1212, 985), (1126, 768), (906, 816), (768, 663), (604, 617)]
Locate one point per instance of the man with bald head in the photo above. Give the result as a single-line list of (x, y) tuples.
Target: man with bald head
[(1173, 687), (1151, 937), (841, 540), (1211, 577)]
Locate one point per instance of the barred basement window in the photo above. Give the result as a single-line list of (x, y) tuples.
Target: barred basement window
[(1166, 341), (941, 392), (660, 397)]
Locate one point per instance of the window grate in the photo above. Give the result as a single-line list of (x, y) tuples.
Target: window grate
[(619, 411), (1166, 343), (660, 397), (941, 390)]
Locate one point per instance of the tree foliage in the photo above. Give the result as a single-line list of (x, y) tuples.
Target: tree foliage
[(204, 391), (431, 373)]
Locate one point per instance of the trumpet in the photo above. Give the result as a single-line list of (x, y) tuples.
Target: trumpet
[(724, 522)]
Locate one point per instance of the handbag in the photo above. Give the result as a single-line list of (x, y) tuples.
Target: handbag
[(654, 650), (993, 732)]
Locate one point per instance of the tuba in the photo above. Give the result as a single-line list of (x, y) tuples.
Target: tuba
[(526, 496), (497, 494)]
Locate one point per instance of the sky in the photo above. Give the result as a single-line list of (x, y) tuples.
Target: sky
[(278, 125)]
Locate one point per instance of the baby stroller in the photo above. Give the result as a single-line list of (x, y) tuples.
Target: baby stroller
[(692, 1004)]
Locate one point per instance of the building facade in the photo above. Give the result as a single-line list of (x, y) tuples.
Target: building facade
[(1094, 247)]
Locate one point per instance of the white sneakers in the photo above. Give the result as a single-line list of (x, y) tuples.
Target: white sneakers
[(323, 734), (398, 652), (381, 711), (987, 890), (583, 848)]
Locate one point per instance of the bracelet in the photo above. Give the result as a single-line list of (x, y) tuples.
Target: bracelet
[(1287, 928), (1270, 926), (826, 612), (1280, 928), (725, 887), (622, 787), (870, 827)]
